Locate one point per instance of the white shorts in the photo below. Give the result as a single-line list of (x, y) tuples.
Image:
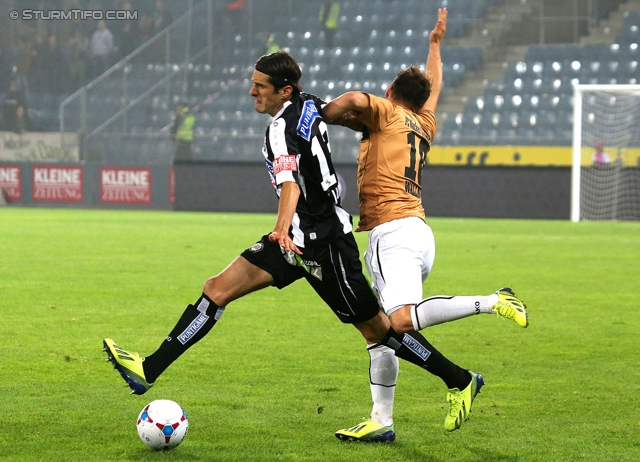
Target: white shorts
[(399, 258)]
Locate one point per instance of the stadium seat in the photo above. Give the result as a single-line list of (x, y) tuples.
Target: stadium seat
[(372, 22)]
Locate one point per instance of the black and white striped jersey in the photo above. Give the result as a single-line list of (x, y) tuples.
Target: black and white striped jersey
[(296, 148)]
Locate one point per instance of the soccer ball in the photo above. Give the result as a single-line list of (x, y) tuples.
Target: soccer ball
[(162, 424)]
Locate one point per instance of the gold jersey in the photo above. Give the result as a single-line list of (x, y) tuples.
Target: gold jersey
[(393, 151)]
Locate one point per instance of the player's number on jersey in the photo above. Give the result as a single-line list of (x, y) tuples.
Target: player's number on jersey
[(320, 148), (414, 171)]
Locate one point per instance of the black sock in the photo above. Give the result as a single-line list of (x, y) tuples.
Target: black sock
[(194, 324), (416, 349)]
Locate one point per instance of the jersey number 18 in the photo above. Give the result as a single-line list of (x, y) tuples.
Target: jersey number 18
[(414, 171)]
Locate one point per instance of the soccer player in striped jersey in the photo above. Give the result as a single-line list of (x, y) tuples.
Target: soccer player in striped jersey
[(397, 135), (311, 239)]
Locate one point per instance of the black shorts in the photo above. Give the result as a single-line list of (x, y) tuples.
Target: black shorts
[(333, 270)]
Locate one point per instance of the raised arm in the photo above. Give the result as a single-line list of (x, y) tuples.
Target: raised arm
[(434, 60)]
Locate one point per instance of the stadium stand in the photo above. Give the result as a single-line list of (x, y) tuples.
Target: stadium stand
[(371, 47), (530, 104), (368, 54)]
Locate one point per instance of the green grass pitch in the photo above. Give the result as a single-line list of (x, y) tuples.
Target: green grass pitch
[(279, 374)]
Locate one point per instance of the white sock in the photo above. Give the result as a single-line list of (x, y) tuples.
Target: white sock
[(443, 308), (383, 375)]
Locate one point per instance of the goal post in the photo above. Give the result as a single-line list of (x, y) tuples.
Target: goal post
[(605, 167)]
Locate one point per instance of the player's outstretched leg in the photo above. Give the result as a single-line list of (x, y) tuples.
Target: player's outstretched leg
[(129, 365), (141, 373), (368, 431), (446, 308), (460, 402), (509, 307)]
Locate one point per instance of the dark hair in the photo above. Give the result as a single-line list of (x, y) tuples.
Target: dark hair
[(411, 87), (282, 70)]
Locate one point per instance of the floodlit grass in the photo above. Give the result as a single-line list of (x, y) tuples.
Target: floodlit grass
[(279, 374)]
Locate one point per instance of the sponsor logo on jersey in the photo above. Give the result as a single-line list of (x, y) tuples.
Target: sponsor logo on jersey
[(270, 169), (414, 346), (257, 247), (308, 115), (285, 163), (193, 328)]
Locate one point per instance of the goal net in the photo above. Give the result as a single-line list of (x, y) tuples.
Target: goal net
[(605, 174)]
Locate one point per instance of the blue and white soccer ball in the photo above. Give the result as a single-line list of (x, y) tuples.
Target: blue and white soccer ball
[(162, 424)]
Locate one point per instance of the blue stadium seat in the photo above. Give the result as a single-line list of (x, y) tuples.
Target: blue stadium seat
[(393, 38), (344, 38), (553, 69), (630, 32), (373, 22), (379, 7), (593, 52), (409, 55), (375, 38), (629, 69), (457, 26)]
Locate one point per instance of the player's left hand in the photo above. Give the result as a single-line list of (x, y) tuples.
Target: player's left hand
[(441, 27)]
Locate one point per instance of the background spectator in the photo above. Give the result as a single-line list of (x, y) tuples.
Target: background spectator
[(269, 41), (78, 56), (13, 109), (54, 66), (599, 156), (235, 12), (145, 30), (101, 48), (161, 17), (24, 67), (182, 132), (329, 13), (20, 124), (129, 34), (39, 62)]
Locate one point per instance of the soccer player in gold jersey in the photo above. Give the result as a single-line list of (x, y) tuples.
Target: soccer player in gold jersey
[(397, 135)]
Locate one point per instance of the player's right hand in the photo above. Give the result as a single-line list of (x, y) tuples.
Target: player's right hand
[(441, 27)]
